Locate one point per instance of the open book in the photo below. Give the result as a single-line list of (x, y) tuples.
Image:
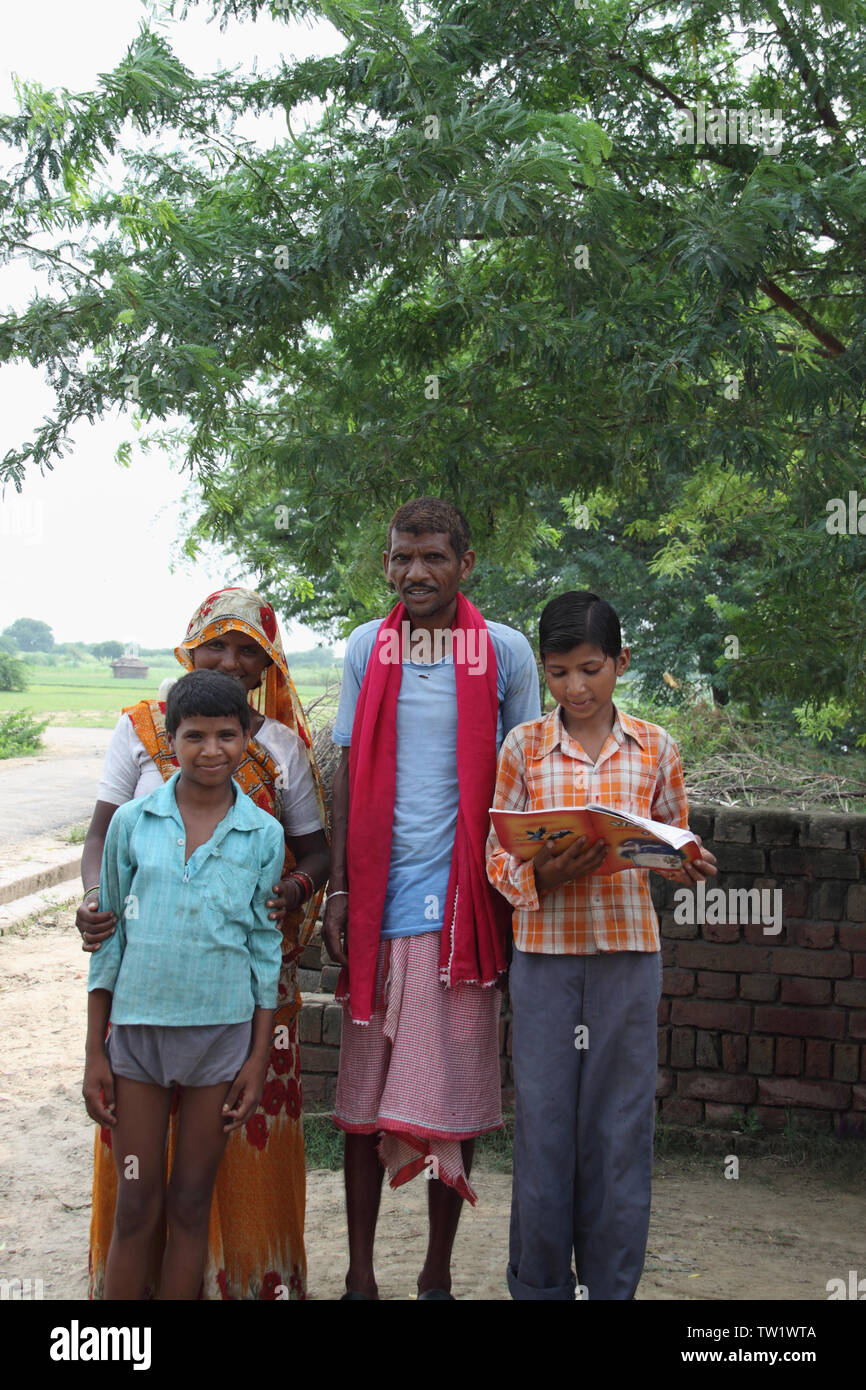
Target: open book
[(634, 842)]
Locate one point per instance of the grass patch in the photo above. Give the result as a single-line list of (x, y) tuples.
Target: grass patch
[(323, 1142), (676, 1147), (76, 835), (88, 696), (843, 1159)]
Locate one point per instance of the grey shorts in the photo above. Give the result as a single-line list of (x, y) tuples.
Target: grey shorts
[(190, 1056)]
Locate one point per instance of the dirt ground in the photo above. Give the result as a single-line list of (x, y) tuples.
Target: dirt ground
[(774, 1233)]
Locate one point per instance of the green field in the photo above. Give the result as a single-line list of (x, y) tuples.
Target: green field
[(89, 696)]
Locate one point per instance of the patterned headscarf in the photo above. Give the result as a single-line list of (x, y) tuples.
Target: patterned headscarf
[(243, 610)]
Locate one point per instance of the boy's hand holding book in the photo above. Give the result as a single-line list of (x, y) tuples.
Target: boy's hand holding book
[(554, 865)]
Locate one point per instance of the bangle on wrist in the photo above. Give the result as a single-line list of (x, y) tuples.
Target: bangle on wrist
[(338, 893), (88, 891), (305, 881)]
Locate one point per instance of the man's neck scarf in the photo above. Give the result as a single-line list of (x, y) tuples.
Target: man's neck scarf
[(473, 933)]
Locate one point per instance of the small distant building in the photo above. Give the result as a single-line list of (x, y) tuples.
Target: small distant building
[(129, 668)]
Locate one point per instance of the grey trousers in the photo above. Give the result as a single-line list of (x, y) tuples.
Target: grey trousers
[(585, 1066)]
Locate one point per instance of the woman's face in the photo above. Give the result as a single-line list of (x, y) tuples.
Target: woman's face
[(235, 654)]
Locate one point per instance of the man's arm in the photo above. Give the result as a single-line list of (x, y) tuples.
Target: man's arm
[(520, 701)]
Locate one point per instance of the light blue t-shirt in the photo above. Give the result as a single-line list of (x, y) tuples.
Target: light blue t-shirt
[(427, 792)]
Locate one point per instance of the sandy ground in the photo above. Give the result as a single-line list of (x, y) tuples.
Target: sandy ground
[(772, 1234)]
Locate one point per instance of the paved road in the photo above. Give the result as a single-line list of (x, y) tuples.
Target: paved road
[(54, 789)]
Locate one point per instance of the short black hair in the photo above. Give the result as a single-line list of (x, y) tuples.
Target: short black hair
[(207, 693), (571, 619), (423, 514)]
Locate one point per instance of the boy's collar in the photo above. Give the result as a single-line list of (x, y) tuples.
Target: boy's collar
[(554, 730), (163, 802)]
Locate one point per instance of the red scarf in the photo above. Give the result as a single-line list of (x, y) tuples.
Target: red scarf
[(476, 917)]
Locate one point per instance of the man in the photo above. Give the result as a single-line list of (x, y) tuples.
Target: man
[(427, 697)]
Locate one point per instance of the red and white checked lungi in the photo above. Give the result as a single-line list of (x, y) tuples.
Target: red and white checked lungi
[(425, 1070)]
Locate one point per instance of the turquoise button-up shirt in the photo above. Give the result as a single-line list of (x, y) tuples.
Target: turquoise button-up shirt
[(193, 942)]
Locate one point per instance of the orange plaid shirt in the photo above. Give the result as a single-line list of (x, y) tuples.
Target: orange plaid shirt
[(541, 767)]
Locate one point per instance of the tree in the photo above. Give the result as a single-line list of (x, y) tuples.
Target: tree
[(500, 262), (30, 635), (107, 651)]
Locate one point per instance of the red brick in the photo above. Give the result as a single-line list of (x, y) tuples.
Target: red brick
[(714, 985), (799, 991), (664, 1011), (852, 993), (319, 1058), (680, 1111), (683, 1047), (662, 1045), (310, 1024), (720, 931), (722, 1114), (707, 1050), (858, 1097), (733, 1089), (733, 827), (814, 1120), (859, 963), (739, 859), (795, 896), (759, 934), (856, 907), (664, 1082), (835, 965), (817, 1058), (863, 1064), (818, 936), (760, 987), (761, 1056), (791, 1090), (827, 831), (702, 1013), (705, 956), (679, 931), (318, 1092), (828, 863), (846, 1062), (805, 1023), (771, 1117), (734, 1049), (789, 1054), (678, 982), (857, 1025), (669, 953)]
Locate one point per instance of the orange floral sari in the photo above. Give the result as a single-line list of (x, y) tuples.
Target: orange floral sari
[(256, 1232)]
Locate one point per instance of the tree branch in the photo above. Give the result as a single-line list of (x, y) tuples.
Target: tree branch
[(803, 317)]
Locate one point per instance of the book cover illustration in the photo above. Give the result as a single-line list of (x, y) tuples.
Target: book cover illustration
[(634, 842)]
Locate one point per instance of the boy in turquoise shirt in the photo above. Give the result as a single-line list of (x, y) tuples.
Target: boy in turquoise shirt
[(189, 980)]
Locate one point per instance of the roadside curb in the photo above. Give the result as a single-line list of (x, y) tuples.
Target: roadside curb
[(42, 878)]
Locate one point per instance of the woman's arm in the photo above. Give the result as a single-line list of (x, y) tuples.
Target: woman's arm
[(337, 907), (95, 927)]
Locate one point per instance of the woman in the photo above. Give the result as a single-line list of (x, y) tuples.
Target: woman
[(255, 1239)]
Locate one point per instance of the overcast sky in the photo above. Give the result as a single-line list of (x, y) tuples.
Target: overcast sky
[(93, 548)]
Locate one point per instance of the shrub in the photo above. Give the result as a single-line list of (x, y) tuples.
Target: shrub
[(12, 673), (20, 733)]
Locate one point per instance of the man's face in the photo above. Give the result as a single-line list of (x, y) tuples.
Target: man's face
[(425, 571)]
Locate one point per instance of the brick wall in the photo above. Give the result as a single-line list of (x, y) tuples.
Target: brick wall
[(750, 1021), (763, 1023)]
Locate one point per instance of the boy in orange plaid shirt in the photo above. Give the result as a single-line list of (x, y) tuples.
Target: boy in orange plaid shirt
[(585, 979)]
